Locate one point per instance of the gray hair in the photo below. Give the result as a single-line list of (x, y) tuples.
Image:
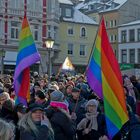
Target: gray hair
[(6, 130), (27, 123)]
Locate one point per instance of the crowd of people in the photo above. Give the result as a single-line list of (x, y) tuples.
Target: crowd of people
[(65, 108)]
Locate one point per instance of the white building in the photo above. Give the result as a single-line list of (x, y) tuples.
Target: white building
[(129, 42)]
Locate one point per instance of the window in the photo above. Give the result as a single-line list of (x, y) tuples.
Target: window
[(83, 32), (55, 32), (14, 30), (68, 12), (49, 3), (111, 38), (35, 32), (138, 55), (70, 31), (115, 23), (49, 31), (115, 37), (15, 3), (70, 48), (131, 35), (82, 50), (123, 36), (111, 23), (132, 55), (60, 10), (124, 56), (138, 35)]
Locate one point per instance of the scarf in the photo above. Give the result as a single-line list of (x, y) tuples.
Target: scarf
[(60, 105), (92, 119)]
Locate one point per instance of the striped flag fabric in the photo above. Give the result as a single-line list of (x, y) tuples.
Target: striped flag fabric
[(67, 65), (104, 77), (27, 56)]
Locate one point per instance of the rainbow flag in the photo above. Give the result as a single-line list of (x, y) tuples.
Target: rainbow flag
[(27, 55), (67, 65), (104, 77)]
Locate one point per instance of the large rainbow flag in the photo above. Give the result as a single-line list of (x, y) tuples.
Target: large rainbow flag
[(104, 77), (27, 55)]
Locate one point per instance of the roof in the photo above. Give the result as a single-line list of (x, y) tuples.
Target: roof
[(65, 2), (118, 4), (79, 17), (131, 23)]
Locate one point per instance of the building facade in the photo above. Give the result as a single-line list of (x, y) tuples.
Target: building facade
[(115, 12), (46, 18), (129, 43), (76, 37)]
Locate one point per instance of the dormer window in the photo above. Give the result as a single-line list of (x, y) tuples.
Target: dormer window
[(68, 12)]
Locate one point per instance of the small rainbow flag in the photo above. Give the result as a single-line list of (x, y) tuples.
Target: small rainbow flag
[(27, 55), (67, 65), (104, 77)]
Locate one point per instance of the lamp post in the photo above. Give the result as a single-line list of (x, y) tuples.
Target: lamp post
[(49, 45)]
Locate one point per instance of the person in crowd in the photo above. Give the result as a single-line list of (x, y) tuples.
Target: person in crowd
[(3, 97), (58, 114), (6, 130), (12, 93), (93, 125), (130, 87), (36, 76), (40, 98), (130, 100), (43, 84), (137, 86), (68, 90), (7, 111), (35, 125), (61, 86), (76, 105), (35, 88), (131, 129), (7, 87), (20, 110)]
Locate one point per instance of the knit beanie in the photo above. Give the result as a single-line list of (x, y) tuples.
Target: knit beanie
[(57, 96)]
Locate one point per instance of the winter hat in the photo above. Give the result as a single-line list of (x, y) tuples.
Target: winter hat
[(75, 89), (57, 96), (4, 95), (92, 102), (33, 107), (21, 108), (35, 74), (36, 84), (8, 105), (52, 87), (40, 94)]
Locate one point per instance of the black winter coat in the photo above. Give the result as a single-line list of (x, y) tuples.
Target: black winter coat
[(79, 109), (43, 134), (64, 128)]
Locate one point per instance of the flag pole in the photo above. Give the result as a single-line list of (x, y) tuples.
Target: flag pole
[(93, 46), (25, 8)]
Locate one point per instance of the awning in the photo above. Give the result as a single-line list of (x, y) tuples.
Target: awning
[(10, 58)]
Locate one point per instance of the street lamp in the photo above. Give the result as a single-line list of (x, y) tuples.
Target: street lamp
[(49, 44)]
